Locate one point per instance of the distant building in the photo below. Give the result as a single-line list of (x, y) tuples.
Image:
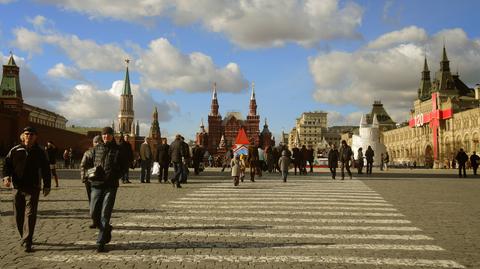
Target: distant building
[(228, 127), (369, 135), (445, 117)]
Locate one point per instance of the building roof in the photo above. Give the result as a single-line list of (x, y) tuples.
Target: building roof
[(242, 138), (127, 90), (10, 84)]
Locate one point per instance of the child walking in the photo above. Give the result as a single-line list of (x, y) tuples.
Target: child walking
[(235, 165), (284, 163), (243, 166)]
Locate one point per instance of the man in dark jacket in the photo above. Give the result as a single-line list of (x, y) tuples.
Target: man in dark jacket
[(22, 167), (333, 160), (146, 163), (474, 162), (253, 160), (127, 152), (52, 152), (369, 154), (297, 160), (345, 154), (177, 157), (186, 160), (197, 158), (462, 159), (163, 160), (310, 157), (108, 156)]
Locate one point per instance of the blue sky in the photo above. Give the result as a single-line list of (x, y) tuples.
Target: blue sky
[(336, 56)]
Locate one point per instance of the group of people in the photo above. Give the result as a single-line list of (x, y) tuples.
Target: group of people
[(106, 162), (462, 159)]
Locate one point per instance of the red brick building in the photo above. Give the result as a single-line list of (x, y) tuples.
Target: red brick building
[(229, 125)]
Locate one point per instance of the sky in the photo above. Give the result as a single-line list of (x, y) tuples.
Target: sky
[(303, 55)]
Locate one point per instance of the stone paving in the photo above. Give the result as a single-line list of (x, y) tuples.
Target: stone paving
[(393, 219)]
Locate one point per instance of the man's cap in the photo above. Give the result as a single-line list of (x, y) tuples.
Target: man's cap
[(107, 130), (29, 129)]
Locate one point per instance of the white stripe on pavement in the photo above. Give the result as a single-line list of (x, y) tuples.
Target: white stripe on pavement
[(236, 202), (146, 244), (265, 207), (299, 211), (277, 235), (268, 191), (283, 199), (252, 259), (207, 218), (260, 195), (266, 226)]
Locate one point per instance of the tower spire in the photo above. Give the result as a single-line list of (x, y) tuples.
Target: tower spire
[(126, 86), (214, 106), (253, 102), (252, 96)]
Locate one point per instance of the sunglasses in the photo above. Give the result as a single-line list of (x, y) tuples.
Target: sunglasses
[(29, 134)]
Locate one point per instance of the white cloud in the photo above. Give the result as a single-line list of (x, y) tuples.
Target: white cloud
[(27, 40), (62, 71), (409, 34), (95, 107), (247, 23), (161, 65), (164, 67), (86, 54), (6, 1), (390, 71), (336, 118)]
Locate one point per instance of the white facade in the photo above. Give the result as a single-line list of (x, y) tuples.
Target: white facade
[(369, 135)]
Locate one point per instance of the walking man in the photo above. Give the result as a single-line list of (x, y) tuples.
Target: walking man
[(146, 163), (52, 151), (310, 157), (163, 160), (333, 160), (176, 155), (462, 159), (346, 154), (252, 159), (22, 167), (369, 154), (474, 162), (128, 153), (111, 165)]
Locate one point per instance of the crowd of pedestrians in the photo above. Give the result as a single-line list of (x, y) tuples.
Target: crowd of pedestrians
[(108, 161)]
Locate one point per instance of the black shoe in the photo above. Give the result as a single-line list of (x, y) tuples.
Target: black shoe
[(92, 226), (101, 248), (178, 186), (148, 181), (142, 181), (28, 248)]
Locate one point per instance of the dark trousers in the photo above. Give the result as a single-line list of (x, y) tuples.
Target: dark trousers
[(88, 187), (146, 170), (177, 172), (369, 167), (125, 177), (101, 208), (163, 173), (474, 168), (346, 165), (360, 166), (333, 170), (310, 162), (461, 166), (25, 204), (253, 170)]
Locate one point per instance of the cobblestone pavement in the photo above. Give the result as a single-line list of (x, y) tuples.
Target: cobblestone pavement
[(394, 219)]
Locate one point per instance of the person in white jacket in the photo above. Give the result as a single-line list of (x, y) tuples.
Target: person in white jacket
[(235, 165)]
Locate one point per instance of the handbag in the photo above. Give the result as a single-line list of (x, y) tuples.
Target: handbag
[(97, 173)]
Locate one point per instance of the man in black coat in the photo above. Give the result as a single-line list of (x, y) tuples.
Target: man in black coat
[(369, 154), (22, 167), (126, 149), (333, 160), (110, 160), (197, 158), (164, 160), (177, 156), (474, 162), (345, 154), (462, 159)]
